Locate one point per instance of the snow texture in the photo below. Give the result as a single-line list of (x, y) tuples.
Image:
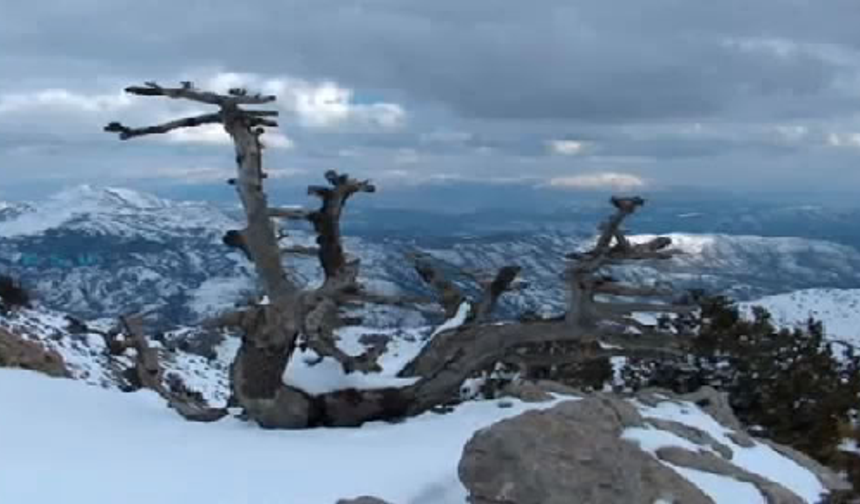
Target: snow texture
[(838, 309), (306, 372), (65, 442), (759, 459)]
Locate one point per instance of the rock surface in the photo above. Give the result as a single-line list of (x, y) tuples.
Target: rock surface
[(584, 448), (18, 352), (545, 457)]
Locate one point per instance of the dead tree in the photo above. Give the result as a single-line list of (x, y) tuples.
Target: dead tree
[(585, 280), (149, 373), (292, 316), (451, 297)]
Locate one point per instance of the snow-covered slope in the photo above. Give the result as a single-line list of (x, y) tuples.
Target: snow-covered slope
[(103, 252), (86, 358), (110, 211), (838, 309), (98, 446), (103, 447), (202, 358)]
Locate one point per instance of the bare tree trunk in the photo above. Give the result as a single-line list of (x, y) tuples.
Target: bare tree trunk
[(267, 348)]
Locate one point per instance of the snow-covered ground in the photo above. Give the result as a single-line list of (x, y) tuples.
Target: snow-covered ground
[(97, 445), (838, 309), (62, 441)]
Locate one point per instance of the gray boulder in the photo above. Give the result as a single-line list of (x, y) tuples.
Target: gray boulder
[(575, 452), (572, 450)]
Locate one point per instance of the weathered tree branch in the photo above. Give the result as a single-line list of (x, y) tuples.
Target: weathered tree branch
[(585, 282), (188, 92), (502, 282), (326, 222), (619, 289), (151, 375), (289, 213), (450, 296), (126, 132)]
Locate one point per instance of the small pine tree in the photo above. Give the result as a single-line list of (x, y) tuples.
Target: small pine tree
[(12, 294)]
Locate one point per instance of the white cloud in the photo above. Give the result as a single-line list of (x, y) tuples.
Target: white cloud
[(407, 156), (605, 180), (446, 136), (328, 105), (214, 134), (282, 173), (323, 104), (792, 133), (205, 134), (188, 174), (851, 140), (777, 47), (395, 173), (836, 54), (63, 99), (567, 147), (204, 174)]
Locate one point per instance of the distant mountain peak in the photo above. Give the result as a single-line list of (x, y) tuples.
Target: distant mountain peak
[(108, 211), (86, 195)]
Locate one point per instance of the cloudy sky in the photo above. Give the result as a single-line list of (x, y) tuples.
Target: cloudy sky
[(628, 94)]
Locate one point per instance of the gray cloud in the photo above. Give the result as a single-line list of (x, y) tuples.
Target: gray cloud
[(732, 93)]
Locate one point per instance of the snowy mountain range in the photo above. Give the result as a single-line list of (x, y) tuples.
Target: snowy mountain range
[(102, 252)]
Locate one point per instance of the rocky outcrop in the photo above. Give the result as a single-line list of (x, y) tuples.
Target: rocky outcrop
[(17, 352), (589, 448), (545, 457)]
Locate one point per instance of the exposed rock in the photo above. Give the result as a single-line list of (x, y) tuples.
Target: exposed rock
[(526, 391), (698, 436), (716, 404), (742, 439), (375, 340), (580, 448), (554, 387), (18, 352), (362, 500), (545, 457), (708, 462)]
